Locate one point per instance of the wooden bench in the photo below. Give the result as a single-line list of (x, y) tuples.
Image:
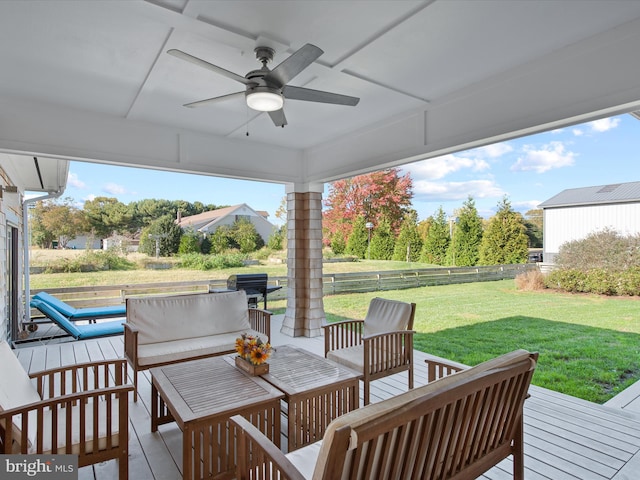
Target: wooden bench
[(457, 427)]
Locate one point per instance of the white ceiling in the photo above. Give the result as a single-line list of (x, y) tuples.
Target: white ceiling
[(91, 80)]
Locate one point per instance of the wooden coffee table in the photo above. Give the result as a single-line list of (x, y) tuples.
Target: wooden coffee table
[(200, 396), (316, 390)]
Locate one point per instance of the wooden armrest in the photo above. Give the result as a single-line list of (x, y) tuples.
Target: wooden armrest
[(439, 368), (131, 344), (80, 377), (347, 333), (256, 452), (62, 404), (260, 321)]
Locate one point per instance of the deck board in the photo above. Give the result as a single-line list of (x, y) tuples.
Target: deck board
[(565, 437)]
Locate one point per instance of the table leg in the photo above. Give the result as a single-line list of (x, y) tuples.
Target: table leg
[(154, 408)]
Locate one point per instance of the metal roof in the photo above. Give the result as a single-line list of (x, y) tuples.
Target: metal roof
[(600, 194)]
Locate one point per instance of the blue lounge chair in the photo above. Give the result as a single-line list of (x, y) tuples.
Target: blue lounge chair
[(80, 313), (79, 332)]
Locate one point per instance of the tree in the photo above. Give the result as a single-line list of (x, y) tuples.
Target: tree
[(246, 236), (106, 215), (434, 248), (221, 240), (382, 241), (59, 220), (358, 240), (189, 242), (505, 239), (408, 245), (166, 232), (464, 248), (276, 239), (338, 245), (374, 196), (533, 222)]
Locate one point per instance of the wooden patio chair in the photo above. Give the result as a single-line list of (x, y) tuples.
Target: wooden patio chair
[(80, 409), (378, 346), (457, 427)]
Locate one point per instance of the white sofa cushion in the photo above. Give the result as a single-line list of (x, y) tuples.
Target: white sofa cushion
[(352, 357), (305, 458), (188, 348), (16, 388), (163, 319), (386, 315)]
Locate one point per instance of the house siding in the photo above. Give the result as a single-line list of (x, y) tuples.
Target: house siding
[(566, 224)]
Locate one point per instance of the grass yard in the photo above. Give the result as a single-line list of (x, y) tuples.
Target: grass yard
[(589, 345)]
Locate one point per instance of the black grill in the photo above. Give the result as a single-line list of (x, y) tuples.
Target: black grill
[(254, 284)]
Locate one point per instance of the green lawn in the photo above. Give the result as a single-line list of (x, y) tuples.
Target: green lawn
[(589, 345)]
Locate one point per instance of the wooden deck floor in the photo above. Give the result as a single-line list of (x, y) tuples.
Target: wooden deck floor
[(565, 437)]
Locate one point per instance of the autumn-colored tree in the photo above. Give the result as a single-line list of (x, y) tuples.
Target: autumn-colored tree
[(384, 194), (505, 239)]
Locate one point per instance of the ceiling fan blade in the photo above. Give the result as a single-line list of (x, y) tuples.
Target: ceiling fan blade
[(309, 95), (278, 118), (209, 66), (292, 66), (209, 101)]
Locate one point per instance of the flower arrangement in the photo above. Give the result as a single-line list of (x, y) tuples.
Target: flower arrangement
[(252, 349)]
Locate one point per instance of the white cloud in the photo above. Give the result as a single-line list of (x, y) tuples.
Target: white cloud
[(492, 151), (604, 124), (556, 131), (547, 157), (439, 167), (74, 181), (114, 189), (90, 198), (433, 191), (577, 132), (526, 205)]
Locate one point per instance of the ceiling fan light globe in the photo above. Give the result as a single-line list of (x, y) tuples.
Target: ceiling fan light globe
[(265, 101)]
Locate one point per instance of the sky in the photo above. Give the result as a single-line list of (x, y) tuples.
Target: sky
[(527, 171)]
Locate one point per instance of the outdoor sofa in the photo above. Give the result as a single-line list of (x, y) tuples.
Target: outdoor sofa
[(171, 329), (457, 427)]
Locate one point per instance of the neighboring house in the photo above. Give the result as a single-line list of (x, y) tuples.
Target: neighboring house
[(82, 242), (20, 174), (576, 212), (208, 222)]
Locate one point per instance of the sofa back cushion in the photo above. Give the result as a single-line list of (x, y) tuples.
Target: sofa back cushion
[(163, 319), (386, 316)]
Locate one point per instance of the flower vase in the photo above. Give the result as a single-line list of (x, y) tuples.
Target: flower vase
[(251, 369)]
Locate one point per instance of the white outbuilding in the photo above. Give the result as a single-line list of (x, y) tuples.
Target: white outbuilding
[(576, 212)]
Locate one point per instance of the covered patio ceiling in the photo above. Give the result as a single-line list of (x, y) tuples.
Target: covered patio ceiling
[(92, 81)]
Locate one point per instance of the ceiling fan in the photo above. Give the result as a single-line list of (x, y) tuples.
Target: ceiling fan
[(267, 89)]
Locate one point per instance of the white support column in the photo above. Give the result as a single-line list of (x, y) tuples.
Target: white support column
[(305, 308)]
